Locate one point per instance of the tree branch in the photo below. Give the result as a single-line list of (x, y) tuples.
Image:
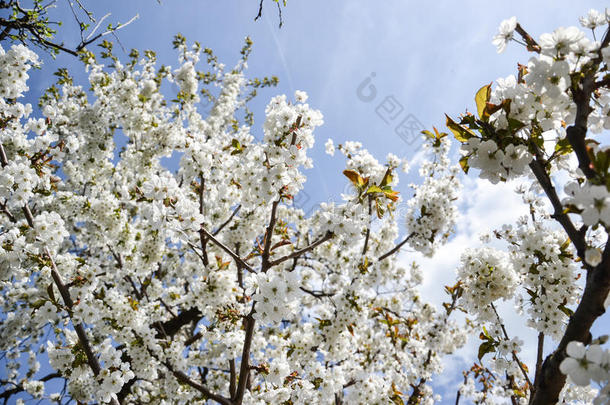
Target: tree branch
[(173, 325), (244, 369), (368, 230), (581, 93), (395, 249), (234, 255), (298, 253), (233, 378), (514, 353), (228, 221), (550, 380), (559, 215), (317, 294), (539, 354), (591, 306), (8, 393), (532, 45), (183, 378), (202, 239), (268, 237), (78, 327)]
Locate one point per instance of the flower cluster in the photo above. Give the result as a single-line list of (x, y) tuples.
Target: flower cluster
[(276, 297), (15, 64), (496, 164), (548, 276), (431, 212), (487, 275)]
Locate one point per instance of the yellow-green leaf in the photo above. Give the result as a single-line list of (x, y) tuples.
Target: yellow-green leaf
[(354, 177), (461, 133), (464, 164), (374, 189), (387, 178), (484, 348), (481, 99)]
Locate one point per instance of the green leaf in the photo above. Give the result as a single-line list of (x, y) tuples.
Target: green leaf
[(484, 348), (436, 137), (356, 179), (563, 146), (387, 178), (481, 99), (461, 133), (428, 133), (374, 189), (464, 164), (516, 125), (486, 334)]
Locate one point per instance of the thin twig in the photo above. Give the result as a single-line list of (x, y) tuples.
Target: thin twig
[(317, 294), (532, 45), (577, 237), (514, 353), (202, 238), (368, 229), (183, 378), (396, 248), (228, 221), (235, 256), (298, 253)]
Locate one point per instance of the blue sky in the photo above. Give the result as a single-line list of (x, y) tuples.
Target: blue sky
[(428, 57)]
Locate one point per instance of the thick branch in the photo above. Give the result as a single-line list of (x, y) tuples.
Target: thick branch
[(539, 354), (581, 93), (244, 369), (550, 380), (233, 378), (173, 326), (544, 180)]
